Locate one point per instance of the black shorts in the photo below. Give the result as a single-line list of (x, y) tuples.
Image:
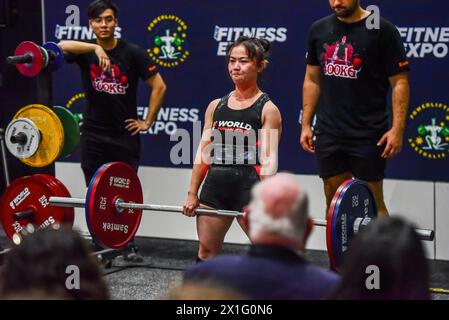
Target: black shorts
[(228, 187), (100, 148), (361, 157)]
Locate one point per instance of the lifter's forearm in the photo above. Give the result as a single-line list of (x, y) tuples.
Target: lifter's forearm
[(77, 47), (400, 104), (198, 174), (201, 164), (310, 96)]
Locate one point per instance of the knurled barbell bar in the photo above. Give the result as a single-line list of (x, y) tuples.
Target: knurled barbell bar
[(114, 207)]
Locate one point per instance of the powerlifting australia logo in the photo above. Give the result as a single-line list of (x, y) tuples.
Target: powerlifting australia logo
[(430, 130), (168, 41)]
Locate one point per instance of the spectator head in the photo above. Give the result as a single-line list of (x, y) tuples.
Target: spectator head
[(279, 212), (54, 262), (392, 247)]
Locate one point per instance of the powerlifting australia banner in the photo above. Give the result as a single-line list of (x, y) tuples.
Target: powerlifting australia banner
[(187, 39)]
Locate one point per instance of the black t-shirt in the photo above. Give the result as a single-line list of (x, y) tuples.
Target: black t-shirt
[(111, 96), (356, 63)]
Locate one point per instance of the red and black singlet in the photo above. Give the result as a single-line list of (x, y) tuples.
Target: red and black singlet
[(235, 133)]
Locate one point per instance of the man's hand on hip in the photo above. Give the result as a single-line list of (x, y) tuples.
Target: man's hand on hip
[(136, 126)]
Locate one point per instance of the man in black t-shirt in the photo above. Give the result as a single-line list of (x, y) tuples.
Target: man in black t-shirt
[(350, 69), (110, 71)]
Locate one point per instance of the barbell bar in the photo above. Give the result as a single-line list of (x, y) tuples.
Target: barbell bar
[(424, 234)]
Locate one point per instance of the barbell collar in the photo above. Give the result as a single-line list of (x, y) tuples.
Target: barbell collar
[(360, 223), (425, 234)]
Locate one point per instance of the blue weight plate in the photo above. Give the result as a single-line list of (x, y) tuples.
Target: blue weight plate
[(353, 199), (58, 56)]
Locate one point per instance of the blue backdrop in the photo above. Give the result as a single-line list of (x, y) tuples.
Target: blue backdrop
[(195, 70)]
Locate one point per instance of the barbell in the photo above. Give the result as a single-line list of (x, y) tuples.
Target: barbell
[(38, 135), (30, 59), (113, 206)]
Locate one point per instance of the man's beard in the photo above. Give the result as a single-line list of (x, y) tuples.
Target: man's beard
[(349, 11)]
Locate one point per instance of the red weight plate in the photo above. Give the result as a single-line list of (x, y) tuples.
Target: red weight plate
[(63, 213), (110, 228), (69, 213), (29, 193), (69, 216), (34, 68)]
